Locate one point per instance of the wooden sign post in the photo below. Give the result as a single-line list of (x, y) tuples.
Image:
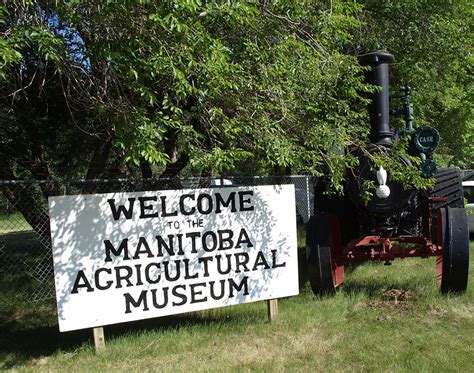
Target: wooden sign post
[(99, 340), (272, 306)]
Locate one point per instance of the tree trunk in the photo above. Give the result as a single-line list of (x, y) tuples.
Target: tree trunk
[(23, 198), (173, 169), (145, 168), (176, 164), (102, 146)]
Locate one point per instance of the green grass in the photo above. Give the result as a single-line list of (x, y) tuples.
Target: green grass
[(383, 319), (14, 222), (24, 263)]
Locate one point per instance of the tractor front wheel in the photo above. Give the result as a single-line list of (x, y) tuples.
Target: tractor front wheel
[(323, 248), (452, 266)]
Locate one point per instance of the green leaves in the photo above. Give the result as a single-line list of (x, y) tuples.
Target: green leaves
[(220, 160), (238, 85), (140, 138), (432, 44), (8, 57)]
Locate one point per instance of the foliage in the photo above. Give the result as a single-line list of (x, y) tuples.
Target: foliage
[(100, 88), (217, 82), (432, 44)]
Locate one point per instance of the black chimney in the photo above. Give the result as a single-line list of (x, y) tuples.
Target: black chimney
[(380, 132)]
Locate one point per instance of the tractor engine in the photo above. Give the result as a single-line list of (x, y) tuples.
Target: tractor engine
[(392, 210), (395, 222)]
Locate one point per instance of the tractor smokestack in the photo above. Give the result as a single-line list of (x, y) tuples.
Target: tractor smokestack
[(380, 132)]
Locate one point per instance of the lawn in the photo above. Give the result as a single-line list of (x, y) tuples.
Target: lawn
[(13, 222), (385, 318)]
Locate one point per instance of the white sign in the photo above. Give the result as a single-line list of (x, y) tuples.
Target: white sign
[(129, 256)]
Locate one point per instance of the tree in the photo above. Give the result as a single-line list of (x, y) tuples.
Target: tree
[(190, 84), (432, 44), (95, 88)]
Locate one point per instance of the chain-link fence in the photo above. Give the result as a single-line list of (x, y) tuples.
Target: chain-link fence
[(467, 174), (26, 269)]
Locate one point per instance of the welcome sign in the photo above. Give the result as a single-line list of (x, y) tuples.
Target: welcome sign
[(128, 256)]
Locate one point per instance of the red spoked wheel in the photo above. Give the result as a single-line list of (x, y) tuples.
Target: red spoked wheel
[(452, 266), (323, 249)]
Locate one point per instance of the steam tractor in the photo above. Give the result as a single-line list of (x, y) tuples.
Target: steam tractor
[(396, 222)]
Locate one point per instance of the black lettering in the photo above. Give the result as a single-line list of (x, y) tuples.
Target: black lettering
[(205, 241), (221, 202), (121, 209), (243, 238), (138, 268), (200, 206), (259, 261), (193, 236), (77, 283), (97, 273), (146, 249), (119, 277), (241, 259), (179, 236), (165, 213), (109, 248), (192, 210), (225, 243), (205, 260), (219, 266), (135, 303), (243, 201), (167, 270), (167, 246), (148, 278), (213, 293), (233, 285), (165, 298), (195, 293), (274, 263), (143, 208), (181, 296), (187, 276)]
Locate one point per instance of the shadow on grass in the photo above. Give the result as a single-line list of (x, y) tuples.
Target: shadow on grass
[(31, 333), (35, 335), (375, 288)]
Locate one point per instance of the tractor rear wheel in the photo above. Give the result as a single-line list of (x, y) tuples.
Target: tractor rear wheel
[(452, 266), (448, 185), (323, 247)]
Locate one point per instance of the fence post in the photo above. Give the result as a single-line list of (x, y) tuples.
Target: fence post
[(308, 204)]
